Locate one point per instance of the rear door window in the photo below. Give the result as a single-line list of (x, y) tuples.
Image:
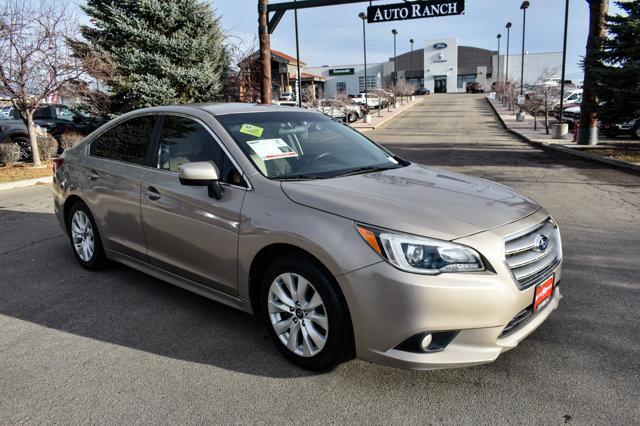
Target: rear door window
[(128, 141)]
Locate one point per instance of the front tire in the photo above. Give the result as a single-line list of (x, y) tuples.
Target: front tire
[(306, 316), (85, 239)]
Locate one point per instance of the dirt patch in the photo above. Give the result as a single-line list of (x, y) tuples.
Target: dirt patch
[(624, 154), (24, 171)]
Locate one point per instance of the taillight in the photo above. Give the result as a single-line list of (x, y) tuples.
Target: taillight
[(57, 163)]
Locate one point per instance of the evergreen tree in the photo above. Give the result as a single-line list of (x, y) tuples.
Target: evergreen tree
[(157, 51), (617, 71)]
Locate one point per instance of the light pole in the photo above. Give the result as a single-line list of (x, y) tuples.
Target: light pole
[(524, 6), (499, 36), (506, 71), (363, 16), (564, 60), (411, 66), (299, 79), (395, 67)]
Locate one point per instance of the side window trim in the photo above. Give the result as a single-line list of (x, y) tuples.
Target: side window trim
[(156, 145)]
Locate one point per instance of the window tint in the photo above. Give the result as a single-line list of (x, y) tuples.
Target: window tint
[(183, 141), (42, 113), (127, 141)]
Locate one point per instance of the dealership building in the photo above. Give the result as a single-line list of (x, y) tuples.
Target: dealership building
[(442, 66)]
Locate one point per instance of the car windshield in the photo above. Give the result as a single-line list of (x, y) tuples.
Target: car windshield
[(304, 145)]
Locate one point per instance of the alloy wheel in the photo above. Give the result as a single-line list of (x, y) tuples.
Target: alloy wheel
[(298, 314), (82, 235)]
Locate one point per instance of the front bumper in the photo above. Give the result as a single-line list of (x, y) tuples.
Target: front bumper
[(388, 306)]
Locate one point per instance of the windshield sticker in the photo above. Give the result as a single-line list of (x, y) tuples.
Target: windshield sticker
[(252, 130), (270, 149)]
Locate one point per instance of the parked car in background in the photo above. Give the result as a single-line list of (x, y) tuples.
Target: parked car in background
[(67, 118), (372, 100), (572, 115), (337, 109), (13, 130), (342, 248), (629, 128), (286, 96), (475, 87), (422, 91)]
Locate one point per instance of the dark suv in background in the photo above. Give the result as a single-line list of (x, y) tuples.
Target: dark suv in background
[(475, 87), (55, 118)]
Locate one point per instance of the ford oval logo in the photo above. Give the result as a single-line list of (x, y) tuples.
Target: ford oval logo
[(542, 243), (440, 45)]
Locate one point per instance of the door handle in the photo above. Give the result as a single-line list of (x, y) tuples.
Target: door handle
[(92, 175), (151, 193)]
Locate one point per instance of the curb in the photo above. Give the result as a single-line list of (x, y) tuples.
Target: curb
[(592, 157), (386, 119), (25, 183)]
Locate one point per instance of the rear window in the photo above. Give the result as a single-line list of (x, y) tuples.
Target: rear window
[(128, 141)]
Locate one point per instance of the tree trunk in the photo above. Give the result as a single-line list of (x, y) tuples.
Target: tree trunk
[(535, 120), (31, 129), (588, 133)]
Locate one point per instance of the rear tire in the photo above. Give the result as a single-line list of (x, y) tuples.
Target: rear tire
[(305, 314), (85, 238)]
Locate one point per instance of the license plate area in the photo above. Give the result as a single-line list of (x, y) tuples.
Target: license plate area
[(543, 293)]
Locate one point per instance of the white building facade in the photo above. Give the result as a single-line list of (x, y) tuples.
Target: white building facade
[(442, 66)]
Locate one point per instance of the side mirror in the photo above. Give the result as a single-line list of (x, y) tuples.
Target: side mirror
[(202, 173)]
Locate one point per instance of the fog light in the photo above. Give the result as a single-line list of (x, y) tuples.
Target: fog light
[(425, 342)]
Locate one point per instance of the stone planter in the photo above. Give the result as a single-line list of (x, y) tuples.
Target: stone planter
[(559, 130), (367, 118), (396, 104), (520, 116)]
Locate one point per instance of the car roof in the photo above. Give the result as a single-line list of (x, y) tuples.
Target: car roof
[(223, 108)]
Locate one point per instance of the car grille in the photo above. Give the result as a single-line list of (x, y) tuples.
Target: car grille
[(525, 256), (572, 115)]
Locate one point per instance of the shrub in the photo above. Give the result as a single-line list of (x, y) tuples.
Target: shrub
[(47, 144), (9, 152), (70, 138)]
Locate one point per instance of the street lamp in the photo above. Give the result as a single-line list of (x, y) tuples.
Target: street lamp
[(363, 16), (524, 6), (299, 79), (506, 71), (564, 60), (395, 67), (411, 66), (499, 36)]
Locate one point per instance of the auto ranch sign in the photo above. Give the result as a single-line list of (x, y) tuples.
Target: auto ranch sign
[(414, 10)]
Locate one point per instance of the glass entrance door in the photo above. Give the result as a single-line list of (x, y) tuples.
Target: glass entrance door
[(440, 84)]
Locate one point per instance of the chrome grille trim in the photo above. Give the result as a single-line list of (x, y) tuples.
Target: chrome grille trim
[(527, 264)]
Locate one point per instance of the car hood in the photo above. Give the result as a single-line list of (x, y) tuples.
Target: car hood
[(415, 199)]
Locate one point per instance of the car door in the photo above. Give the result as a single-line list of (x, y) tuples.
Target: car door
[(111, 175), (187, 232)]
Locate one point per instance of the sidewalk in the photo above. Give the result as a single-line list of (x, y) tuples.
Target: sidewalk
[(525, 131), (385, 115)]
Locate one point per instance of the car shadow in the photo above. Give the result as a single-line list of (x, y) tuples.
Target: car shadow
[(41, 282)]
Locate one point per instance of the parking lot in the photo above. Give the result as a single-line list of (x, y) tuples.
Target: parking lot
[(120, 346)]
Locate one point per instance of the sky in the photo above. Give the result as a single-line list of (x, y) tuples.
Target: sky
[(333, 35)]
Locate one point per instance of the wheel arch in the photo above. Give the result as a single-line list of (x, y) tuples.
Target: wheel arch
[(265, 256)]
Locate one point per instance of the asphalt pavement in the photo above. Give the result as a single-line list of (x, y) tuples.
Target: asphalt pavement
[(119, 346)]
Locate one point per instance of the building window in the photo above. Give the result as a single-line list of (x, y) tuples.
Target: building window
[(341, 88), (372, 83)]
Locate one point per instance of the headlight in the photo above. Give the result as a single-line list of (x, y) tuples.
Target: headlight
[(421, 255)]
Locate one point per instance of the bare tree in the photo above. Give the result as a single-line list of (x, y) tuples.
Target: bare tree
[(35, 60), (244, 81)]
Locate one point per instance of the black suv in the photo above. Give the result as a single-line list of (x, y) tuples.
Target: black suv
[(55, 118)]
